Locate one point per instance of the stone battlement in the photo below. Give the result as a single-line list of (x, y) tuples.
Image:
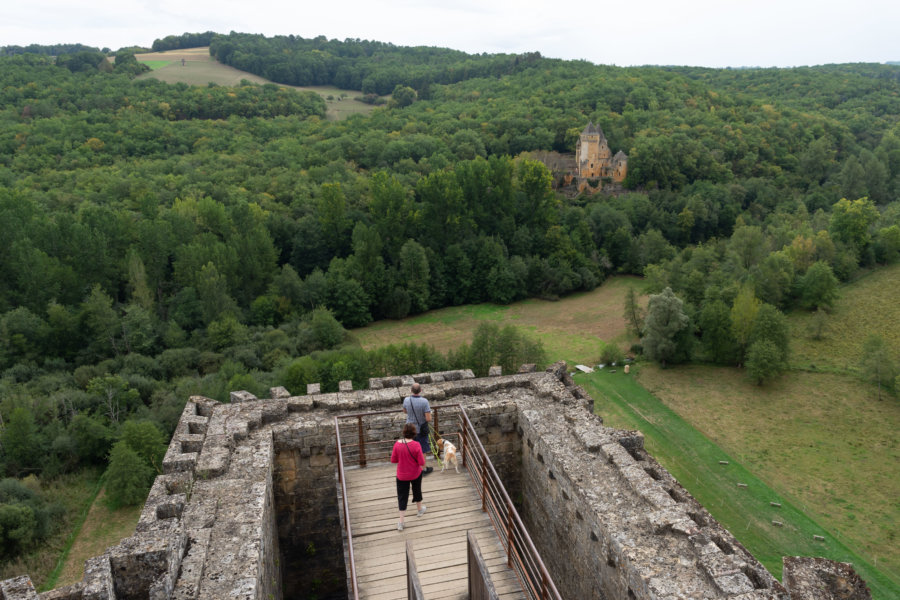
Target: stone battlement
[(246, 506)]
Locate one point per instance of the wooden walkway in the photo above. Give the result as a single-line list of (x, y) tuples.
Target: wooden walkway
[(438, 537)]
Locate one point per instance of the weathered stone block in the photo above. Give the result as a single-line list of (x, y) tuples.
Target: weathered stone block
[(241, 396)]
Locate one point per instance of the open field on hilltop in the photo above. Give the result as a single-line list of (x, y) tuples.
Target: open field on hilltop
[(102, 528), (201, 69), (573, 329), (76, 492), (820, 439), (867, 306), (693, 458)]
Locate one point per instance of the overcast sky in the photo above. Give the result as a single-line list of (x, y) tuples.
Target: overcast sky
[(713, 33)]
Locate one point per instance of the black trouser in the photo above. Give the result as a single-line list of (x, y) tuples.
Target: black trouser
[(403, 491), (422, 438)]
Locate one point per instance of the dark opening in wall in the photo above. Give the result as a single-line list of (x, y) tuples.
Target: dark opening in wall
[(309, 530), (755, 578), (724, 546), (676, 495)]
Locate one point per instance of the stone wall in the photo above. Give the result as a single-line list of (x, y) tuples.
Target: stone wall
[(247, 506)]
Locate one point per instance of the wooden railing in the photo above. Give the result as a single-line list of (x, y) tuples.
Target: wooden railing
[(480, 585), (413, 586), (522, 556), (345, 511)]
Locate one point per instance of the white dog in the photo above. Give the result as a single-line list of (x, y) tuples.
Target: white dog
[(449, 454)]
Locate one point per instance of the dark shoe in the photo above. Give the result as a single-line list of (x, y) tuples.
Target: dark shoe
[(427, 471)]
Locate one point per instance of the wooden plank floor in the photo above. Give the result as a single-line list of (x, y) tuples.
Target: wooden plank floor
[(438, 537)]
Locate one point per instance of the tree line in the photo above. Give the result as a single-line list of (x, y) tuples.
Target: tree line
[(165, 240)]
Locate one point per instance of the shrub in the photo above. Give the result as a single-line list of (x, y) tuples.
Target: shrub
[(611, 354)]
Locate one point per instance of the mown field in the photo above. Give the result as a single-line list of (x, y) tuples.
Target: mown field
[(812, 462), (574, 329), (102, 528), (199, 68)]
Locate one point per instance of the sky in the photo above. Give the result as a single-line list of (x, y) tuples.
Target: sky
[(712, 33)]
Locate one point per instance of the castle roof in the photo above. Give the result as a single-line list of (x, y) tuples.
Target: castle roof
[(592, 129), (620, 156)]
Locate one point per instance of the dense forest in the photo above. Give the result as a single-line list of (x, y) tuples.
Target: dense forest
[(164, 240)]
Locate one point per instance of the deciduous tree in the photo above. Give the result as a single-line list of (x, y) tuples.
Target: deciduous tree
[(667, 331)]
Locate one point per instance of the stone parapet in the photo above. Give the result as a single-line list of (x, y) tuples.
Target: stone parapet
[(246, 506)]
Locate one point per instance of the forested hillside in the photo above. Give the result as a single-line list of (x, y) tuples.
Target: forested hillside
[(160, 241)]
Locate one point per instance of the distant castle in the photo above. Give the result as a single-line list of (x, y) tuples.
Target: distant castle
[(593, 168), (594, 159)]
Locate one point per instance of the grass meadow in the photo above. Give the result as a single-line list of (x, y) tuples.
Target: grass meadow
[(866, 306), (801, 460), (574, 329), (101, 529), (76, 492), (199, 68), (818, 441)]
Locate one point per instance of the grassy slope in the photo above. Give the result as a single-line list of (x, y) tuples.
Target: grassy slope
[(573, 329), (102, 528), (789, 434), (867, 306), (694, 460), (75, 492), (200, 68)]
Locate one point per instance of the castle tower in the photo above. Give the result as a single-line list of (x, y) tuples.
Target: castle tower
[(619, 166), (592, 154)]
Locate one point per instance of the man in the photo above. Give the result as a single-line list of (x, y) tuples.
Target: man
[(418, 412)]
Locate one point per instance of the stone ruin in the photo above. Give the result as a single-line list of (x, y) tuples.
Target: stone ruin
[(246, 507)]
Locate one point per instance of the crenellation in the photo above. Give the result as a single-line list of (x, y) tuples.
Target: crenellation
[(18, 587), (247, 506)]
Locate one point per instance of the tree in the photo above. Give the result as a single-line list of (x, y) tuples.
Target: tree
[(634, 313), (717, 338), (850, 222), (327, 331), (332, 210), (877, 364), (743, 312), (415, 274), (128, 477), (771, 325), (818, 287), (102, 321), (20, 442), (114, 394), (146, 440), (402, 96), (17, 528), (667, 329), (764, 361)]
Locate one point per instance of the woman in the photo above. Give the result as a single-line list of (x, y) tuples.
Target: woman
[(407, 453)]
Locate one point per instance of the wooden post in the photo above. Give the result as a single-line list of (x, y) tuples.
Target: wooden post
[(483, 483), (462, 442), (509, 535), (437, 430), (362, 442)]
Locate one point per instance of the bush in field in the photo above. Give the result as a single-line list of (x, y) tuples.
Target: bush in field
[(611, 354)]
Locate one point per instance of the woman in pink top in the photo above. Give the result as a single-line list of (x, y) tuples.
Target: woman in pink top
[(407, 453)]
